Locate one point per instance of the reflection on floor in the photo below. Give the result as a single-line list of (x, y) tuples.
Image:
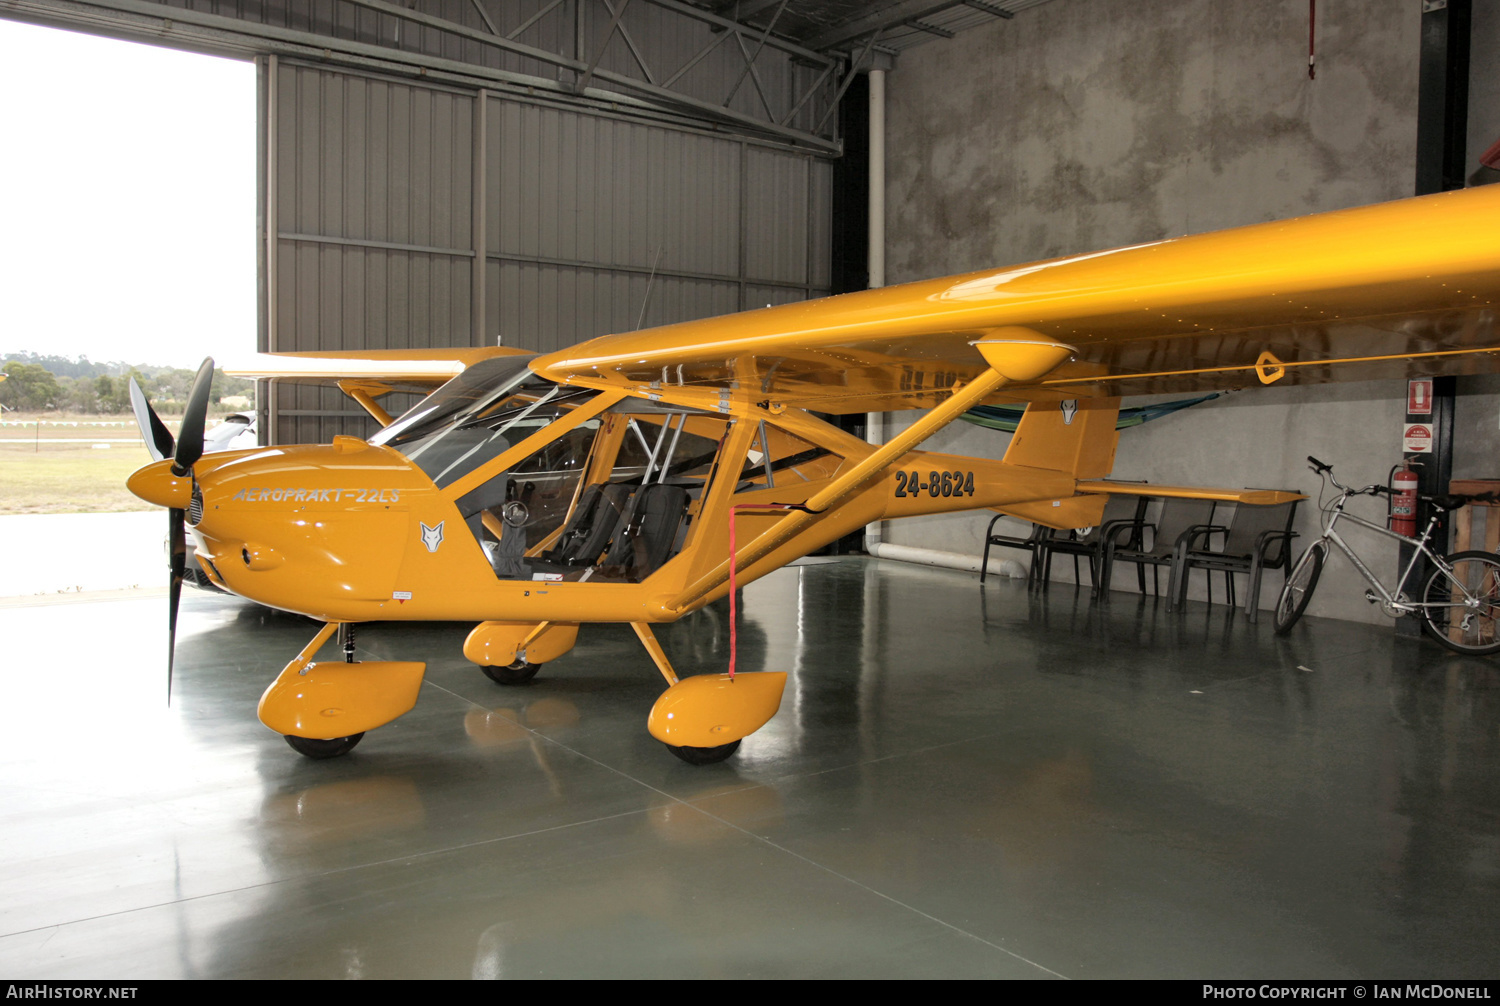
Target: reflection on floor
[(960, 782)]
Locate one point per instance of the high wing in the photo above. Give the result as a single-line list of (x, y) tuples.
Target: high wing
[(1407, 287), (403, 369), (366, 375)]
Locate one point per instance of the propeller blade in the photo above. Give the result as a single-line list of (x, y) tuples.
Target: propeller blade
[(178, 559), (158, 438), (190, 433)]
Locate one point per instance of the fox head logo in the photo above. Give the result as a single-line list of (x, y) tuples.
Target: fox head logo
[(432, 537), (1069, 407)]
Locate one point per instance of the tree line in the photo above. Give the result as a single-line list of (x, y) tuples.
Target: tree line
[(56, 384)]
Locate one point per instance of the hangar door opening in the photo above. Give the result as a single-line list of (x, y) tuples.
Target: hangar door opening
[(403, 215), (127, 210)]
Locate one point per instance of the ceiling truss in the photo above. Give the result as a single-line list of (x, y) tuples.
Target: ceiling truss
[(772, 69)]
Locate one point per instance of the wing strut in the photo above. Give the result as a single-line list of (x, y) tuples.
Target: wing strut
[(1009, 361)]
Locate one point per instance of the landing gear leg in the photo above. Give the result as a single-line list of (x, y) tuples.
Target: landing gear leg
[(689, 754), (340, 697)]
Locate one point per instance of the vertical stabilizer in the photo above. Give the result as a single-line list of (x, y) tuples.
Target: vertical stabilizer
[(1076, 436)]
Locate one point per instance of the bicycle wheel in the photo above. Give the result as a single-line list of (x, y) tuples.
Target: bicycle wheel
[(1300, 583), (1468, 603)]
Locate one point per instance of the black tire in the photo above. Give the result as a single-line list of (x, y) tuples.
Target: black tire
[(310, 747), (1465, 629), (517, 673), (1300, 584), (705, 756)]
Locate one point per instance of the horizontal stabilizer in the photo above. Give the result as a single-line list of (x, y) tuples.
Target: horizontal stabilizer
[(1064, 514), (1253, 497)]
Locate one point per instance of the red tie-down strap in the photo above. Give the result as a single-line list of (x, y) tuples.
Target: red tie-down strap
[(1491, 157), (733, 602), (1312, 50)]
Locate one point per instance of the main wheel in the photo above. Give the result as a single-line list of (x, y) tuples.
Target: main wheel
[(311, 747), (705, 756), (1469, 603), (517, 673), (1299, 588)]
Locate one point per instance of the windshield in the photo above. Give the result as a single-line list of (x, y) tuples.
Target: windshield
[(479, 385), (473, 425)]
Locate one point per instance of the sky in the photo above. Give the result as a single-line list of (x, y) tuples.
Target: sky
[(127, 200)]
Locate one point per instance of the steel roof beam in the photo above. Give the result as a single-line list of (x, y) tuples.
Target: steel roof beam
[(484, 16), (891, 17), (743, 10), (151, 21), (930, 29), (629, 42), (681, 101), (792, 48), (533, 19), (990, 9), (750, 60)]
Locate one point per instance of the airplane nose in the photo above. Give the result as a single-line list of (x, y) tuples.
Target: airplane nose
[(156, 484)]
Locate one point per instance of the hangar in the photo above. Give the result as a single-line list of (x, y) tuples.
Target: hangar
[(998, 780)]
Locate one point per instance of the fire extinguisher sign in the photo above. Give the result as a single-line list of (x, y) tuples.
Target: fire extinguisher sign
[(1419, 397), (1416, 438)]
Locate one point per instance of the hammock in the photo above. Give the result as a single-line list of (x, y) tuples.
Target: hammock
[(1006, 417)]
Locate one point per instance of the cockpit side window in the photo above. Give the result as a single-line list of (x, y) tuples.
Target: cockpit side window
[(634, 483), (778, 458)]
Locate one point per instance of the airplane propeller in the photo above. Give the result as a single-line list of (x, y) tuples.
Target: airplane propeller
[(185, 453), (153, 431)]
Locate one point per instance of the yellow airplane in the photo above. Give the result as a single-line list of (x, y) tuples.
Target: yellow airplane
[(634, 478)]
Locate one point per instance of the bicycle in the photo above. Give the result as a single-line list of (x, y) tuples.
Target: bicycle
[(1460, 602)]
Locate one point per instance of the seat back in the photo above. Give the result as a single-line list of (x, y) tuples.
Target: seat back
[(649, 529), (1117, 509), (600, 511), (1250, 522), (1177, 515)]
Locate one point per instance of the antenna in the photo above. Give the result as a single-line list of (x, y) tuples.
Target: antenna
[(649, 280)]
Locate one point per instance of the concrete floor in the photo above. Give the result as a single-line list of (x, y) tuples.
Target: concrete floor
[(960, 782)]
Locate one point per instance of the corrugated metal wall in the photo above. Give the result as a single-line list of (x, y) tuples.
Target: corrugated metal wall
[(370, 194)]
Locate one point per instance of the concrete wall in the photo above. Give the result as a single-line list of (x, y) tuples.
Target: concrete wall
[(1087, 124)]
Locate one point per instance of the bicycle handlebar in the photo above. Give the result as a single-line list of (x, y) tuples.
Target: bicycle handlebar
[(1451, 501)]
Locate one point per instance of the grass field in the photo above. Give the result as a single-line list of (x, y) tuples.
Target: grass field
[(44, 469), (69, 478), (59, 463)]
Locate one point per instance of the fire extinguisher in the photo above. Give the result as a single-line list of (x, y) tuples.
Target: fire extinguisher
[(1404, 502)]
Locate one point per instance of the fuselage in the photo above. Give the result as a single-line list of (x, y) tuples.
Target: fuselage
[(507, 497)]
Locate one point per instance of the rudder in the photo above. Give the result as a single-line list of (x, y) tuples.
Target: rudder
[(1075, 436)]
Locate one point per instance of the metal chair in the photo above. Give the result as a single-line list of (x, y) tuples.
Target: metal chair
[(1178, 518), (1255, 538), (1035, 543), (1124, 523)]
